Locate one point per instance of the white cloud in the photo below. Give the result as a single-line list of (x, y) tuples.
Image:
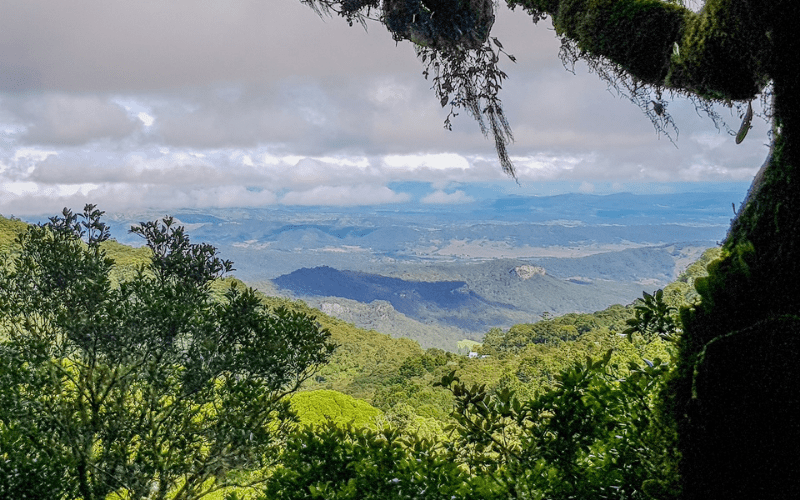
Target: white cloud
[(146, 119), (20, 188), (345, 196), (439, 197), (442, 161), (356, 162), (203, 104)]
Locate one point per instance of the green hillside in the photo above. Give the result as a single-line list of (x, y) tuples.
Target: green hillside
[(396, 375), (361, 363), (9, 229), (585, 379), (321, 406)]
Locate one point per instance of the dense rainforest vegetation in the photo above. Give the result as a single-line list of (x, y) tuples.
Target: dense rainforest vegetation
[(739, 345), (144, 373), (613, 424)]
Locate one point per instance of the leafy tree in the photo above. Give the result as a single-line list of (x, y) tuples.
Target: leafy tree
[(555, 330), (345, 463), (653, 317), (597, 434), (317, 407), (149, 388), (728, 52)]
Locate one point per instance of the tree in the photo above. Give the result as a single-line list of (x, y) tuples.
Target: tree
[(150, 388), (652, 318), (333, 462), (730, 51), (597, 434)]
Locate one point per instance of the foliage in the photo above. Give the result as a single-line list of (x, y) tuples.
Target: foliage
[(346, 463), (363, 361), (653, 318), (28, 470), (452, 41), (562, 328), (729, 50), (642, 48), (604, 422), (9, 230), (682, 292), (317, 407), (597, 434), (149, 387), (469, 78)]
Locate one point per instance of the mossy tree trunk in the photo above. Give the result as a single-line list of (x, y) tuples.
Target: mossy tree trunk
[(729, 50)]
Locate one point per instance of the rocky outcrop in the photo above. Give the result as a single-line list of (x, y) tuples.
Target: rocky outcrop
[(333, 309), (527, 272)]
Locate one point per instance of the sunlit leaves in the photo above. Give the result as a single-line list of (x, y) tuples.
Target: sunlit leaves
[(653, 318), (155, 386), (342, 462), (597, 434)]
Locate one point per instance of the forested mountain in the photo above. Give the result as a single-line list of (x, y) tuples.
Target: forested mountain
[(373, 380), (366, 360), (439, 304)]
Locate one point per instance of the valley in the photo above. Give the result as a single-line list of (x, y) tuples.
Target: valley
[(442, 273)]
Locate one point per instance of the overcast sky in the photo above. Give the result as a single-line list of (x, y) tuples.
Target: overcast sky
[(165, 104)]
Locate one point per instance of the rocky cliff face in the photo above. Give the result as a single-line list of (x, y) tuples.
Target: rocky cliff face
[(527, 272)]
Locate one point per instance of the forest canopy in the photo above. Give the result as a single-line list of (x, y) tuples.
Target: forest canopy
[(146, 385)]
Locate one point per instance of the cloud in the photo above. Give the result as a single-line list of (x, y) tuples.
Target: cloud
[(37, 199), (146, 119), (97, 46), (443, 161), (439, 197), (256, 102), (360, 195), (65, 120)]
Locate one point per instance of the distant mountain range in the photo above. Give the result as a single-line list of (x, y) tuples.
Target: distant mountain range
[(440, 304), (269, 242), (405, 296), (447, 271)]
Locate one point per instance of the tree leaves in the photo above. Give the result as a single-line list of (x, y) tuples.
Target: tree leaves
[(653, 317), (745, 126), (596, 433), (148, 386), (342, 462)]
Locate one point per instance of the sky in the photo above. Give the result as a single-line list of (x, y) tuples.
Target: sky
[(167, 104)]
